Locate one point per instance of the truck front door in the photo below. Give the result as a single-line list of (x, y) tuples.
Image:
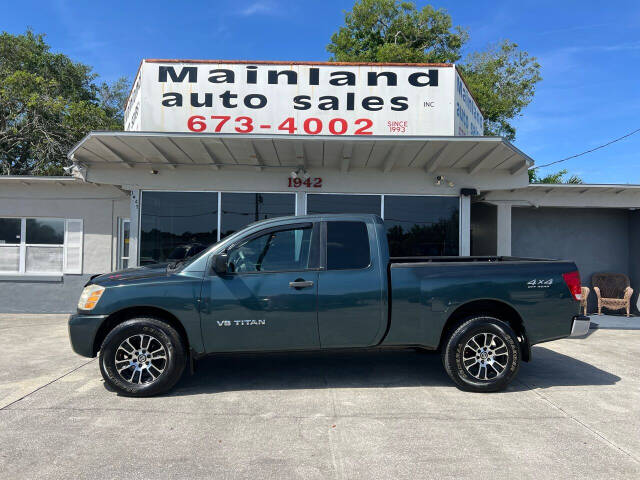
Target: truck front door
[(267, 300)]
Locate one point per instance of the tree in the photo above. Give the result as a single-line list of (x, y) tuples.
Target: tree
[(502, 79), (390, 31), (558, 177), (47, 104)]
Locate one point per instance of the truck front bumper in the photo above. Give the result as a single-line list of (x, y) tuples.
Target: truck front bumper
[(82, 333), (580, 326)]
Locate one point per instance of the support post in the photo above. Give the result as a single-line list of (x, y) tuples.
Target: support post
[(465, 225), (503, 247), (134, 233), (301, 203)]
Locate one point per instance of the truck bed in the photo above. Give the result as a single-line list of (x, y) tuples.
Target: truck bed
[(459, 259), (426, 291)]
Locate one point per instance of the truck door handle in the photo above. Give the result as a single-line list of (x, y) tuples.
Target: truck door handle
[(300, 283)]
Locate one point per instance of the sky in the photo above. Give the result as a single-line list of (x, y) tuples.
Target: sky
[(589, 51)]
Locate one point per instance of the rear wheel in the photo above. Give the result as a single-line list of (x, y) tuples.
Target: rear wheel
[(482, 354), (142, 357)]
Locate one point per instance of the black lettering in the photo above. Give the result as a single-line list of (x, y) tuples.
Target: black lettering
[(341, 78), (399, 103), (172, 99), (208, 100), (248, 100), (314, 76), (392, 78), (432, 79), (221, 75), (329, 102), (252, 74), (370, 103), (301, 102), (226, 99), (273, 76), (351, 100), (192, 72)]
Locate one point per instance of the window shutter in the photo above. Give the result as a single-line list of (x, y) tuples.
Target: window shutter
[(73, 245)]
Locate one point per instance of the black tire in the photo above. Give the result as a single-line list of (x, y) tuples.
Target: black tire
[(495, 366), (165, 342)]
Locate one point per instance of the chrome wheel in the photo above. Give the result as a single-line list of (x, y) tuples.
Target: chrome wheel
[(485, 356), (140, 359)]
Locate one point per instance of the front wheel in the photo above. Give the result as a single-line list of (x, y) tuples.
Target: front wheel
[(142, 357), (482, 354)]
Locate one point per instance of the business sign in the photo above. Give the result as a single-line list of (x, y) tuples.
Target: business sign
[(308, 99)]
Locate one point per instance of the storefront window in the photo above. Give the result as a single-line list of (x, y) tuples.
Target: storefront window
[(330, 203), (241, 209), (37, 245), (175, 220), (10, 231), (45, 231), (422, 226)]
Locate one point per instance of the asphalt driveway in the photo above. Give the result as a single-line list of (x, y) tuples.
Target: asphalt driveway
[(574, 412)]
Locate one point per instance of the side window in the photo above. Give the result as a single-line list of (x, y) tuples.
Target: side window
[(272, 252), (347, 245)]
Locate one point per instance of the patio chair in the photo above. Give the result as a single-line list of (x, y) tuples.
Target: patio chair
[(583, 300), (613, 291)]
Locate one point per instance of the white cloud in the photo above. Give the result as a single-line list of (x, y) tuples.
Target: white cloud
[(259, 8)]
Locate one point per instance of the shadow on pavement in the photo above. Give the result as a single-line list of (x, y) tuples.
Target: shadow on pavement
[(553, 369), (367, 369)]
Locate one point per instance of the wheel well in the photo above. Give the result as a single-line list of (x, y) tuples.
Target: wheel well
[(121, 316), (492, 308)]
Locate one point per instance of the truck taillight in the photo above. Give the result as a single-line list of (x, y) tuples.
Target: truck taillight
[(572, 279)]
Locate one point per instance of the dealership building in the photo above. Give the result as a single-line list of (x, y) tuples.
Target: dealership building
[(211, 146)]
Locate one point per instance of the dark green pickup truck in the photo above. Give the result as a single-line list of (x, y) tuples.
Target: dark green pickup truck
[(322, 282)]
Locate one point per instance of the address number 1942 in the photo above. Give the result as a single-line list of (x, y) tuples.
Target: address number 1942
[(309, 182)]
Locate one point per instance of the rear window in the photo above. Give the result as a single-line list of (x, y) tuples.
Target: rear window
[(347, 245)]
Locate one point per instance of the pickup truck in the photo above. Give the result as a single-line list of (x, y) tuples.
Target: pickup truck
[(323, 282)]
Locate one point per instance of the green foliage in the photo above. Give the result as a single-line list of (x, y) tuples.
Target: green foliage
[(391, 31), (558, 177), (502, 79), (47, 104)]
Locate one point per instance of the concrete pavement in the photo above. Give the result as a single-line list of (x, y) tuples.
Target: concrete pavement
[(574, 412)]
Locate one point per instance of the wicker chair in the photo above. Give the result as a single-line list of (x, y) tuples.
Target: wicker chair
[(613, 291), (583, 300)]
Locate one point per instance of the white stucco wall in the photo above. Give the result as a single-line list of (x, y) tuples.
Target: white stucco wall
[(97, 206)]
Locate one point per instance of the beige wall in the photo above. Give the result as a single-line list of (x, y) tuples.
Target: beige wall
[(400, 181), (98, 206)]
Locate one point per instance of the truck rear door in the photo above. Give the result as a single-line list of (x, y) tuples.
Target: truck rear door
[(351, 295), (267, 300)]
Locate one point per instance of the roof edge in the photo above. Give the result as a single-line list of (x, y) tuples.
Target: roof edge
[(36, 178), (301, 62), (363, 138)]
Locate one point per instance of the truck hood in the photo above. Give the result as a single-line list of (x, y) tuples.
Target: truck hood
[(123, 276)]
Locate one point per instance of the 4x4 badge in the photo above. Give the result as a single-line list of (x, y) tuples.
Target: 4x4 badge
[(539, 283)]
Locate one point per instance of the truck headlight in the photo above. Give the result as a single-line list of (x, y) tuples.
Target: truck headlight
[(90, 296)]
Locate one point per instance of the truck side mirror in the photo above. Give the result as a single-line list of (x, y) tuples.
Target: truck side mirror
[(220, 262)]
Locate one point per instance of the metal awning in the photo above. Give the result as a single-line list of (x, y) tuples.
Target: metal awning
[(385, 153), (583, 188), (577, 195)]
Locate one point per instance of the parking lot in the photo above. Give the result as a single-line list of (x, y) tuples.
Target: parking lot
[(574, 412)]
